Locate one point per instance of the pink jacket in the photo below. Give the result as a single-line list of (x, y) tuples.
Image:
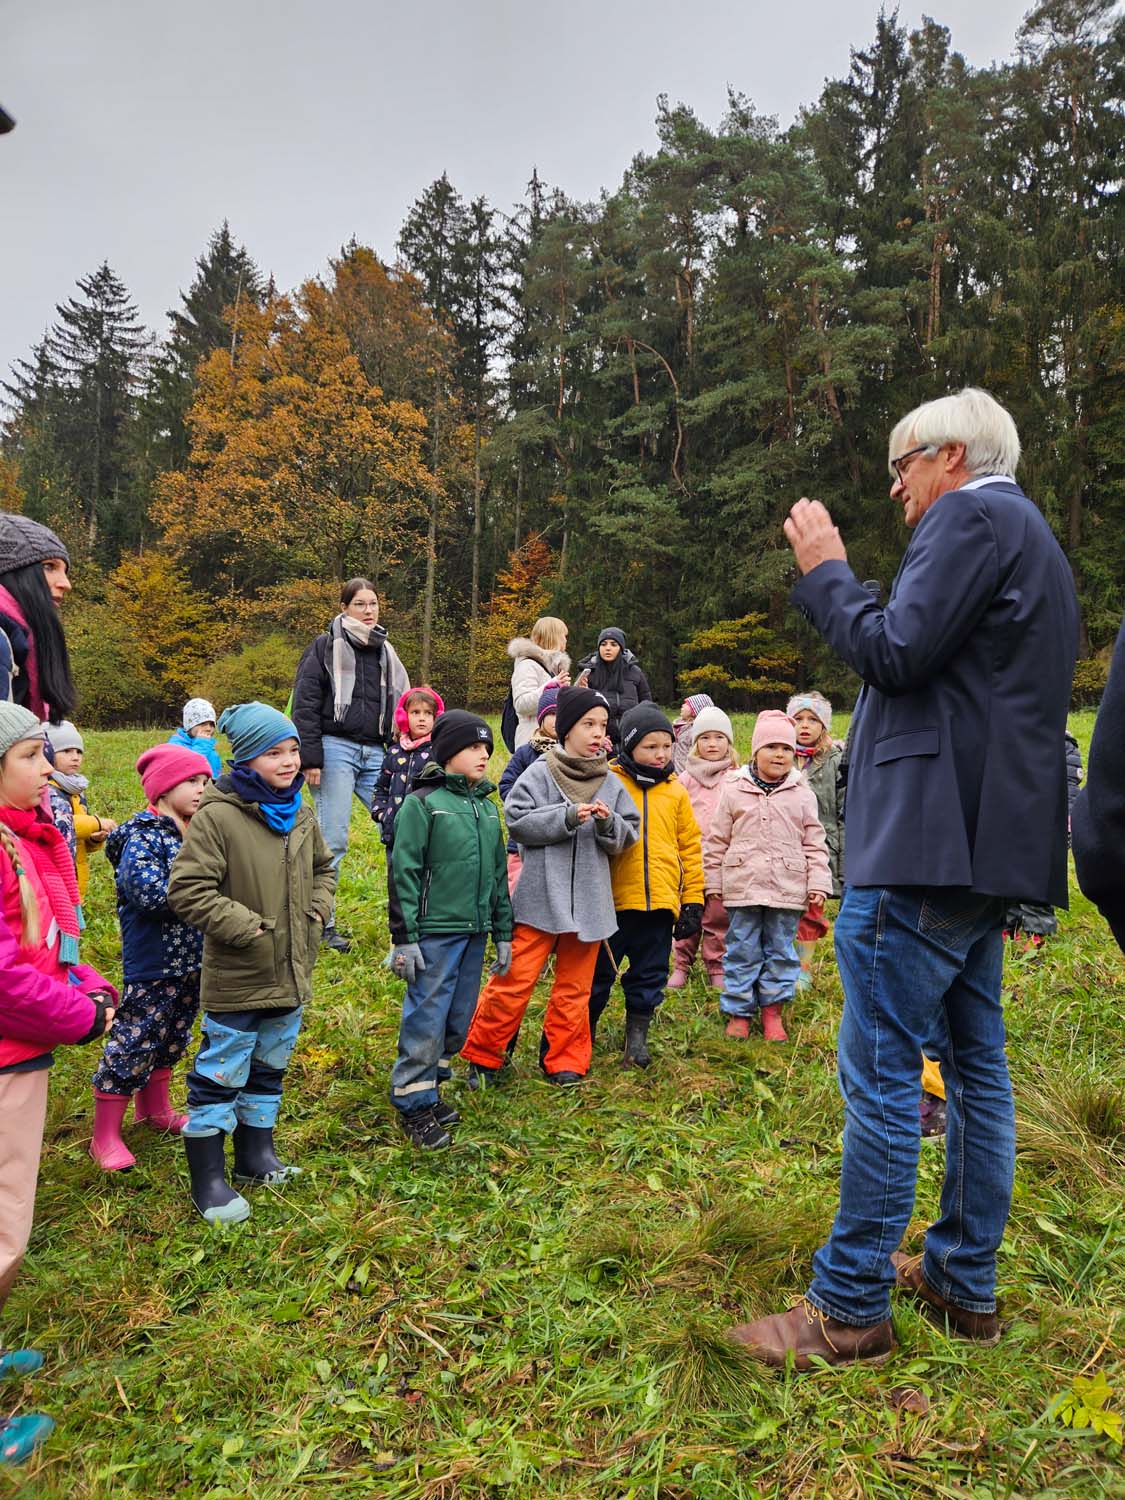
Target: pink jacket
[(766, 850), (704, 793), (42, 1002)]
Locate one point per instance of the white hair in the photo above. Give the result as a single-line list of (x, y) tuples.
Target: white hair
[(972, 417)]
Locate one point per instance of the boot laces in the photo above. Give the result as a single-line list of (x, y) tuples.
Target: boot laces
[(813, 1315)]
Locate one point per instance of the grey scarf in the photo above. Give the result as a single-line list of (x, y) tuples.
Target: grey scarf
[(72, 783), (345, 634)]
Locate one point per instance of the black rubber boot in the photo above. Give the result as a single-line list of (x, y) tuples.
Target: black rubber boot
[(255, 1159), (212, 1195), (421, 1129), (334, 939), (636, 1041), (446, 1115)]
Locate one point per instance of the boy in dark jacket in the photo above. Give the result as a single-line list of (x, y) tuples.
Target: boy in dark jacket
[(448, 862), (161, 958), (256, 876)]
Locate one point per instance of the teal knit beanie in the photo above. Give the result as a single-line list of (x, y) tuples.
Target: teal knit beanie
[(254, 728)]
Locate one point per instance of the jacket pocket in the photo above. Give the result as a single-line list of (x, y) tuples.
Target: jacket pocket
[(912, 742), (254, 963)]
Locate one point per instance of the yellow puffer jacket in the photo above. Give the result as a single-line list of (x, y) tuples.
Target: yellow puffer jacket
[(664, 868)]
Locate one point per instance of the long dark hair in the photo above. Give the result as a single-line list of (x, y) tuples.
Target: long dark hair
[(28, 587)]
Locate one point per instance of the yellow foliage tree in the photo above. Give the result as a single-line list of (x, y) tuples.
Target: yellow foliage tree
[(745, 664), (298, 465), (521, 595)]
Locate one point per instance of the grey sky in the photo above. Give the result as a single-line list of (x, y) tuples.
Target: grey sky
[(142, 125)]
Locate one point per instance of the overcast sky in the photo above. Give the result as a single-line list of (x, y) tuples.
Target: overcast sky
[(142, 125)]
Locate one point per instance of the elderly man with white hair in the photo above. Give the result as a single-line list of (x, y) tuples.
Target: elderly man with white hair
[(956, 804)]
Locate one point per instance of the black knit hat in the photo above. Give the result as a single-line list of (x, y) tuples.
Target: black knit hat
[(646, 718), (455, 730), (574, 704), (611, 633), (24, 542)]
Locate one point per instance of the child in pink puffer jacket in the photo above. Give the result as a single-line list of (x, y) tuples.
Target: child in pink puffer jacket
[(712, 758), (766, 858)]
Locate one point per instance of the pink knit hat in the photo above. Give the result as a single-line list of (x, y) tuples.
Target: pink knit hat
[(772, 727), (402, 720), (165, 766)]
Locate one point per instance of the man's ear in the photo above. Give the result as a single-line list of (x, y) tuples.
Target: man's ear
[(954, 457)]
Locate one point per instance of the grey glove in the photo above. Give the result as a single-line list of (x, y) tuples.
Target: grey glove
[(407, 961), (503, 960)]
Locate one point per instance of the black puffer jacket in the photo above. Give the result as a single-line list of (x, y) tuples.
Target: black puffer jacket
[(380, 681), (634, 689)]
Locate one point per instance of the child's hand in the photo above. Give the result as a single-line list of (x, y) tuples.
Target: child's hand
[(584, 811), (312, 776), (816, 899), (600, 810)]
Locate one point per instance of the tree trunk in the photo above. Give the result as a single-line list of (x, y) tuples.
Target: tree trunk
[(519, 501)]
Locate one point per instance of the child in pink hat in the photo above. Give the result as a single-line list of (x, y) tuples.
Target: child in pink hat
[(161, 957), (765, 857)]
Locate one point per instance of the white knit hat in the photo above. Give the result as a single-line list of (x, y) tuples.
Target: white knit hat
[(712, 721), (816, 703), (198, 711), (64, 736)]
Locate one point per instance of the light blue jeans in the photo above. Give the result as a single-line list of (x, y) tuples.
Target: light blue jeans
[(761, 964), (350, 770), (921, 967)]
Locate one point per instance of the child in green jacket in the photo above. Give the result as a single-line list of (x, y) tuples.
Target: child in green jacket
[(255, 876), (450, 875)]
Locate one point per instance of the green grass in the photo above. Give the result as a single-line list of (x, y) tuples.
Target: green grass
[(539, 1311)]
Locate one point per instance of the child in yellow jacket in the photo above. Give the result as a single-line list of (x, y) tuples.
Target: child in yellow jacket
[(657, 882), (66, 789)]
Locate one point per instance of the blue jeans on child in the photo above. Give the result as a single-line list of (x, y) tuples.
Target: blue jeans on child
[(761, 964), (349, 770), (436, 1011), (239, 1069), (920, 967)]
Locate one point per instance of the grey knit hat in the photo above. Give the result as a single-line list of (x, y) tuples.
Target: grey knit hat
[(24, 542), (64, 736), (16, 724)]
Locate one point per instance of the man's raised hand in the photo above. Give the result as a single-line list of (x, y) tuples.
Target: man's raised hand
[(810, 532)]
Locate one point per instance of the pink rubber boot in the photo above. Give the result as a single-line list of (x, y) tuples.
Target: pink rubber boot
[(772, 1029), (151, 1105), (106, 1146)]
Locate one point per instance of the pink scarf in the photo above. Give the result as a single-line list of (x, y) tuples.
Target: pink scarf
[(29, 668), (408, 744), (47, 850)]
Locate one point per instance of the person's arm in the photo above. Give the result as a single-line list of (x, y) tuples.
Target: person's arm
[(193, 887), (512, 773), (87, 827), (622, 828), (381, 796), (501, 901), (536, 825), (526, 687), (644, 692), (690, 845), (142, 871), (408, 858), (947, 580), (324, 876), (716, 844), (39, 1009), (815, 844), (309, 688)]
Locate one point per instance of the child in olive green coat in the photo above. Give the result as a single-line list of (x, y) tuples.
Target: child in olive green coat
[(256, 877)]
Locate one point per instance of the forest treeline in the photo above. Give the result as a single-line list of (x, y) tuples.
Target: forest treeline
[(604, 410)]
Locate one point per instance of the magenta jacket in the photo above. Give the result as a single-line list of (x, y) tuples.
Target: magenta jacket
[(766, 850), (42, 1003)]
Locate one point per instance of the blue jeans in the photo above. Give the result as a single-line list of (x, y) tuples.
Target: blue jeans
[(436, 1011), (349, 770), (239, 1069), (761, 964), (920, 967)]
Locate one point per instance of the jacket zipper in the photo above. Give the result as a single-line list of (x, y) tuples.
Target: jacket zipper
[(289, 954), (644, 804)]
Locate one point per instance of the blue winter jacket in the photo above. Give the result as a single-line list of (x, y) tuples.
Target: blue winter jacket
[(155, 944), (208, 747), (522, 757)]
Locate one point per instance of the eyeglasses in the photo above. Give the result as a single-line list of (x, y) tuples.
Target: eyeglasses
[(900, 464)]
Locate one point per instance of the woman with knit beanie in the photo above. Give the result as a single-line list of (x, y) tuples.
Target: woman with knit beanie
[(47, 998), (614, 672), (349, 682), (34, 579)]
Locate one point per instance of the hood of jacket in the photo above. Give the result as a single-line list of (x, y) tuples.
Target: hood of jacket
[(550, 661)]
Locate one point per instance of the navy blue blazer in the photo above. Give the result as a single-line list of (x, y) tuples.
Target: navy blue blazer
[(956, 757), (1099, 811)]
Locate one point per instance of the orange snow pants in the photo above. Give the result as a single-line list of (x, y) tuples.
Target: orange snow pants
[(504, 999)]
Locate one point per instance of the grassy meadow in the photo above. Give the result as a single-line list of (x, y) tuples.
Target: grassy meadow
[(539, 1311)]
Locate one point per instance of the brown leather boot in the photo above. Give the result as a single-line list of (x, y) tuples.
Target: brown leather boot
[(982, 1328), (810, 1335)]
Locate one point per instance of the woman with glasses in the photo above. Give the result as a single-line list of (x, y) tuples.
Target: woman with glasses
[(348, 683)]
